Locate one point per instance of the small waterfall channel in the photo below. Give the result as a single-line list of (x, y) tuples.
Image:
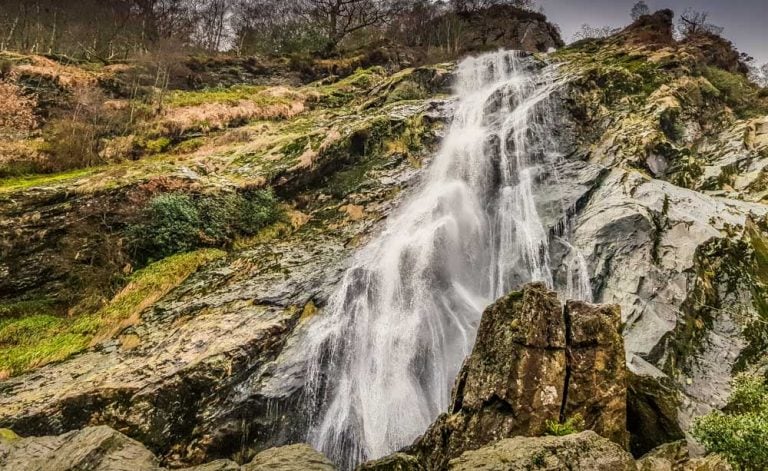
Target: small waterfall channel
[(385, 352)]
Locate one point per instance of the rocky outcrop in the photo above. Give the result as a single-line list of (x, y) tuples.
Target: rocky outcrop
[(534, 364), (582, 451), (500, 26), (104, 449)]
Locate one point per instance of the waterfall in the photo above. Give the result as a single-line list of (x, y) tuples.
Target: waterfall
[(392, 338)]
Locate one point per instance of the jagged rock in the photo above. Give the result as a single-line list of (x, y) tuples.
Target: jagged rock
[(585, 451), (511, 384), (299, 457), (652, 404), (597, 373), (708, 463), (95, 448), (527, 351)]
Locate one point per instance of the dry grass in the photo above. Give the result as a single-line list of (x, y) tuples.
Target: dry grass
[(17, 111), (214, 116)]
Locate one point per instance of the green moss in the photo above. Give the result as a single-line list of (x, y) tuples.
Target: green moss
[(346, 90), (38, 339), (8, 435), (157, 146), (30, 181)]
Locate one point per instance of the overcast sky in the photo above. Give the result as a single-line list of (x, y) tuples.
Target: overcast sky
[(745, 21)]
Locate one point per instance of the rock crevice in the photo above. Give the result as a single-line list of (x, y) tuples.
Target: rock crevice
[(535, 363)]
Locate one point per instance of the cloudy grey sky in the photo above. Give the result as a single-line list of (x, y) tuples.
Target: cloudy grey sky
[(745, 21)]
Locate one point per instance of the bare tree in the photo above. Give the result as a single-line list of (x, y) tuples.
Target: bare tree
[(694, 22), (640, 9), (340, 18), (594, 32), (463, 6)]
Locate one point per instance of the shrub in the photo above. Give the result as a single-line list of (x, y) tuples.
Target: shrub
[(176, 222), (571, 425), (172, 222), (740, 431), (258, 209), (75, 137)]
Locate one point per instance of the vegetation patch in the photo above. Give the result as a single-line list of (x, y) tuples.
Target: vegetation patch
[(178, 222), (740, 431), (40, 338), (571, 425), (738, 92)]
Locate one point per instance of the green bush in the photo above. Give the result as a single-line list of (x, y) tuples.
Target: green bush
[(257, 209), (177, 222), (740, 431), (172, 222), (571, 425)]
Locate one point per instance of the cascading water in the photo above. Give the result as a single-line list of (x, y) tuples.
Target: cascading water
[(392, 338)]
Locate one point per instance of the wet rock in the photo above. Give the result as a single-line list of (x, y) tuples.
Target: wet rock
[(578, 452), (94, 448), (299, 457), (533, 363)]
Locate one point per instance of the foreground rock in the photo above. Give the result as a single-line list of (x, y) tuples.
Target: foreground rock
[(582, 451), (94, 448), (104, 449), (534, 364)]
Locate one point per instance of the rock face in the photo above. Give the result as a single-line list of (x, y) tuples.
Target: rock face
[(505, 26), (582, 451), (534, 363)]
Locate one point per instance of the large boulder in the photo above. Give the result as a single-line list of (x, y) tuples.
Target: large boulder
[(583, 451), (94, 448), (533, 364)]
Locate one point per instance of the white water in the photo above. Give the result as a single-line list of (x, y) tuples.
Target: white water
[(390, 342)]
